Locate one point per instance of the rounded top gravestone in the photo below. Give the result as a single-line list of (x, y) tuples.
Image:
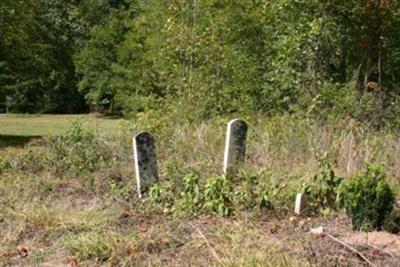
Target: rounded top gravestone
[(235, 144), (145, 157)]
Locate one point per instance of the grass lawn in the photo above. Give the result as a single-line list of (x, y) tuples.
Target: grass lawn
[(37, 125), (17, 129)]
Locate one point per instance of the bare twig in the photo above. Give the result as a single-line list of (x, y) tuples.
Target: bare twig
[(351, 249)]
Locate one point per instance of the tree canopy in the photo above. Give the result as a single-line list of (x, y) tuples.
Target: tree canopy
[(202, 58)]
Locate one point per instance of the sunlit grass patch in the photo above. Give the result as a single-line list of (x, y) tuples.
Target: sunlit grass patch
[(98, 246), (39, 125), (47, 220)]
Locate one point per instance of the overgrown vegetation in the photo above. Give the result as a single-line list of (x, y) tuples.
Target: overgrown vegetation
[(317, 81), (369, 199), (76, 193), (323, 189)]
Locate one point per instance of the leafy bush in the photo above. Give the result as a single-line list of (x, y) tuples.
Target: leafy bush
[(218, 195), (368, 199), (155, 193), (251, 192), (78, 150), (322, 192), (392, 222), (190, 198), (332, 101)]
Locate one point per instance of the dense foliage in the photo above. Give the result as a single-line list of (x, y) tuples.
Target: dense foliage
[(202, 58), (38, 41), (369, 200)]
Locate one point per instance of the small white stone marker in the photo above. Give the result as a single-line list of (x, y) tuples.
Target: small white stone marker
[(300, 205), (317, 231), (235, 144), (144, 154)]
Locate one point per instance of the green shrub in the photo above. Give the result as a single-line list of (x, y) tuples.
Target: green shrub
[(368, 199), (251, 192), (392, 222), (218, 195), (155, 193), (332, 101), (245, 193), (190, 198), (78, 151), (322, 192)]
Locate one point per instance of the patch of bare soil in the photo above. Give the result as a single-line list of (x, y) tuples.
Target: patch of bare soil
[(60, 259), (386, 242), (339, 245)]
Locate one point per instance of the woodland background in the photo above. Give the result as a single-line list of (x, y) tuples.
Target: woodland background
[(202, 58)]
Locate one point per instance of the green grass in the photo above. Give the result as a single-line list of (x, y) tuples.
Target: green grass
[(38, 125), (19, 129)]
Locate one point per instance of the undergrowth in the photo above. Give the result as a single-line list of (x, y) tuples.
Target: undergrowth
[(369, 200), (76, 192)]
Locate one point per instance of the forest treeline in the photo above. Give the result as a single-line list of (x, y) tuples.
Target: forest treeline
[(202, 58)]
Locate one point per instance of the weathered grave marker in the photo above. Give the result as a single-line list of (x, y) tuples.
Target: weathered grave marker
[(144, 153), (235, 145), (301, 202)]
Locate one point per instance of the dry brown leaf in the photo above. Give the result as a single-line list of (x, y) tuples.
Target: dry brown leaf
[(73, 261), (164, 240), (8, 254), (142, 229), (22, 251), (133, 249)]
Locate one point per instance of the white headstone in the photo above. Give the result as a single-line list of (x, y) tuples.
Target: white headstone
[(235, 145), (301, 202), (144, 153)]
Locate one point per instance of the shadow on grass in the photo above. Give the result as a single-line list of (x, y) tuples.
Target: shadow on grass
[(15, 140)]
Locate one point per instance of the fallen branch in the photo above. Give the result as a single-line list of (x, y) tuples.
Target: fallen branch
[(350, 248)]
